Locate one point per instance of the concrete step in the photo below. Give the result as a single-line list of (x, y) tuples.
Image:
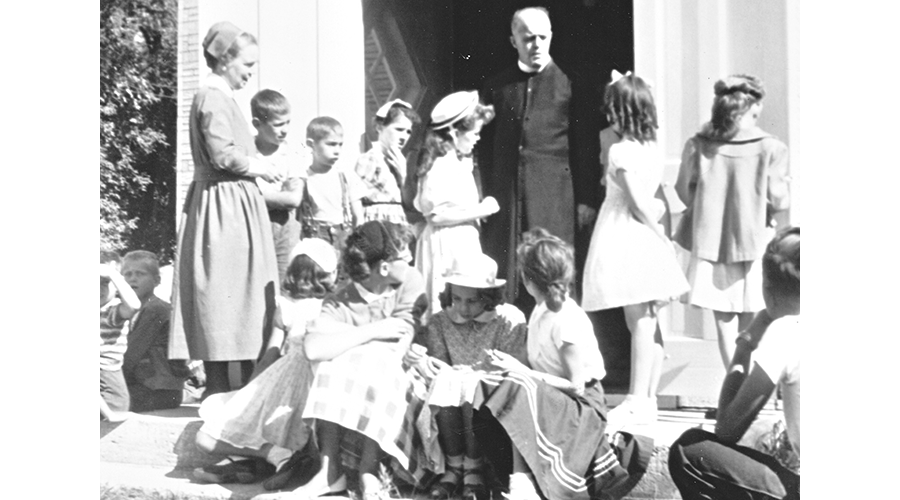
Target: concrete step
[(152, 455)]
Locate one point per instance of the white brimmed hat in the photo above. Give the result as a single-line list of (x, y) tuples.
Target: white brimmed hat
[(474, 271), (383, 110), (320, 251), (453, 108)]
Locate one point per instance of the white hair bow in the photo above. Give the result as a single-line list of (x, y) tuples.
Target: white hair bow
[(616, 76)]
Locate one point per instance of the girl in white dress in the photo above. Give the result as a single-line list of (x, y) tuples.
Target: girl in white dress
[(263, 420), (631, 263), (447, 194)]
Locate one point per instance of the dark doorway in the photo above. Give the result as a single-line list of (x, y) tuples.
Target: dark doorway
[(421, 50)]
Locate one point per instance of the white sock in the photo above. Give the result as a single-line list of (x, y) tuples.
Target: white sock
[(277, 456)]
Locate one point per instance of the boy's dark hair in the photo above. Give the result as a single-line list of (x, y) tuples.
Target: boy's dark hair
[(321, 126), (267, 104), (107, 256), (145, 256), (491, 297), (360, 254), (305, 279), (734, 96), (628, 103), (549, 263), (781, 263), (243, 40)]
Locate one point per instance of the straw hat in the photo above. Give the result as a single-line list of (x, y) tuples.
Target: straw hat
[(453, 108), (320, 251), (474, 271)]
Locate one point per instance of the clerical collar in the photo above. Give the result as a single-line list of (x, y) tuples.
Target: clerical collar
[(528, 69), (484, 317), (217, 82), (370, 297)]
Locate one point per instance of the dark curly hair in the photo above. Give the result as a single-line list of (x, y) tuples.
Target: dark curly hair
[(440, 142), (305, 279), (354, 258), (491, 297), (781, 263), (734, 96), (628, 103), (549, 263)]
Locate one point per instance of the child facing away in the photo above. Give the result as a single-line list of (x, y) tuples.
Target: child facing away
[(262, 420), (767, 355), (332, 201), (631, 263), (117, 306), (473, 319), (154, 381), (565, 404), (447, 194), (383, 168), (226, 274), (271, 116), (733, 179)]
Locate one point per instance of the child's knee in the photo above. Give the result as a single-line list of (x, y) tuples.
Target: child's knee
[(205, 442)]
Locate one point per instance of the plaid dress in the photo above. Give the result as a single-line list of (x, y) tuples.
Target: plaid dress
[(366, 389)]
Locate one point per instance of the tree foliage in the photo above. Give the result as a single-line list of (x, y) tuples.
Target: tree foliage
[(138, 68)]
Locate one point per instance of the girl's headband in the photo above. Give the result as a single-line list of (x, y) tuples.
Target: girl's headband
[(383, 110), (453, 108), (320, 251)]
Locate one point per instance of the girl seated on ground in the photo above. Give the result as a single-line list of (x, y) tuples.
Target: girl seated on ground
[(706, 465), (558, 403), (263, 419), (358, 396), (474, 319)]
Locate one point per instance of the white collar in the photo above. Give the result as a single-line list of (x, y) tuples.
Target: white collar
[(370, 297), (217, 82), (484, 317), (528, 69)]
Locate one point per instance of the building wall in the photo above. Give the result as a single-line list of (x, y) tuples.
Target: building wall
[(683, 48), (310, 50)]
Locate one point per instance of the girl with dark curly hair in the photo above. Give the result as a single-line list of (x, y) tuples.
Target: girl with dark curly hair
[(631, 262)]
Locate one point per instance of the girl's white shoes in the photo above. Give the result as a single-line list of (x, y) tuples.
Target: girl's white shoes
[(521, 487), (634, 410)]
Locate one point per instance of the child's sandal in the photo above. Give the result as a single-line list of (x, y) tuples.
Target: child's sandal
[(474, 487), (449, 483)]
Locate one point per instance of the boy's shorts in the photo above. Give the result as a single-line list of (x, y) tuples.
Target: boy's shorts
[(113, 390)]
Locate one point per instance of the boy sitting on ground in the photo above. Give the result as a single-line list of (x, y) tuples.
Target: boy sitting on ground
[(114, 314), (154, 381)]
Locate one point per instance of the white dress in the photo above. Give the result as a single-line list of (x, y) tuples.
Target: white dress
[(627, 263), (269, 408), (448, 185)]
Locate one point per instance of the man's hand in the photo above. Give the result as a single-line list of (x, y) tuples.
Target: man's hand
[(586, 215)]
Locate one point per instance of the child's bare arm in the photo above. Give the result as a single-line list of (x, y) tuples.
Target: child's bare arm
[(460, 214), (130, 301), (289, 197), (356, 208)]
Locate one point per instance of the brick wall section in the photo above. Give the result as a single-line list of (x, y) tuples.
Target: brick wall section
[(189, 68)]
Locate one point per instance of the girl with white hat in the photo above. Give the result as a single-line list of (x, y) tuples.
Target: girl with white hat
[(473, 321), (447, 194)]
